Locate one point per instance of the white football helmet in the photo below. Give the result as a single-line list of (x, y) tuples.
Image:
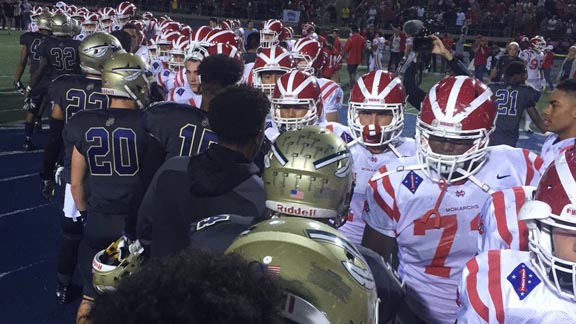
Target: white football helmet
[(553, 210), (456, 108)]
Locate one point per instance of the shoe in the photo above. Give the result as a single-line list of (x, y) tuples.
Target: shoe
[(529, 131), (28, 145)]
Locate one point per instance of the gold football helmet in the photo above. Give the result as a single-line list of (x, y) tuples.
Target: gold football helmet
[(62, 25), (325, 277), (309, 173), (95, 49), (127, 75), (43, 21), (117, 261)]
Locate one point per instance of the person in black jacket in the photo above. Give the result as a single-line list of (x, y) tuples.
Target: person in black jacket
[(223, 179), (455, 67)]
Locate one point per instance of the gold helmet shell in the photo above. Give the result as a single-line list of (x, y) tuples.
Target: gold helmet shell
[(309, 173), (95, 49), (43, 21), (62, 25), (127, 75), (117, 261), (325, 277)]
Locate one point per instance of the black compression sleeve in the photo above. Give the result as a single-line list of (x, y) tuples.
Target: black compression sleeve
[(458, 68), (415, 94), (53, 148)]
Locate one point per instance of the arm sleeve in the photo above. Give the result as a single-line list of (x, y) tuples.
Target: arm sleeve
[(458, 68), (53, 147), (378, 212), (472, 308), (415, 94)]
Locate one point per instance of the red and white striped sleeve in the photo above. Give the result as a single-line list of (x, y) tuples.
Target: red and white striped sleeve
[(499, 226), (380, 210)]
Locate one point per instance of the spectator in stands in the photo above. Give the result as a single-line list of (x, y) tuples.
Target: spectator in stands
[(547, 66), (353, 50), (213, 22), (481, 54), (248, 30), (448, 45), (497, 70), (345, 15), (568, 68), (26, 12), (397, 48)]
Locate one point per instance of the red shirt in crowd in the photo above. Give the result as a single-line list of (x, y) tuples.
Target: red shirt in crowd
[(448, 43), (481, 55), (353, 48), (548, 60)]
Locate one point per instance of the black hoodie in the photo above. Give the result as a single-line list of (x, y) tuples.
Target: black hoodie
[(188, 189)]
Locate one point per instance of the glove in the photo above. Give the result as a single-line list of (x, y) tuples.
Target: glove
[(48, 189), (29, 105), (58, 175), (19, 87), (543, 87)]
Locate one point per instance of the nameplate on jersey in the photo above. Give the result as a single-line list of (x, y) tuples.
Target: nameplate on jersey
[(524, 280), (412, 181)]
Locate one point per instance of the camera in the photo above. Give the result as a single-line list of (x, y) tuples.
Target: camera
[(422, 43)]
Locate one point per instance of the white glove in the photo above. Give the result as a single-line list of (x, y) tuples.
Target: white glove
[(543, 87)]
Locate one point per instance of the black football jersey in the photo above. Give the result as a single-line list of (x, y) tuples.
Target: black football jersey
[(73, 93), (32, 41), (113, 143), (182, 130), (217, 233), (62, 55), (512, 101)]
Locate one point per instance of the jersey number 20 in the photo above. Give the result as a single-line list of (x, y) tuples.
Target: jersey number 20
[(124, 158)]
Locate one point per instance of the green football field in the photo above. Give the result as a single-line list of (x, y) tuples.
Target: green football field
[(11, 101)]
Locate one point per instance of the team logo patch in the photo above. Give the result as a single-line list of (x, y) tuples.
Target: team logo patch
[(180, 91), (166, 73), (523, 280), (347, 138), (412, 181)]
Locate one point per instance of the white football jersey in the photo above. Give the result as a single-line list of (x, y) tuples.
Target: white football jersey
[(502, 286), (534, 62), (499, 226), (331, 93), (184, 95), (552, 147), (378, 45), (434, 244), (247, 76), (365, 165)]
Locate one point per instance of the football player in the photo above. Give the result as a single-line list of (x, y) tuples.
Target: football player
[(108, 154), (222, 179), (421, 211), (30, 43), (309, 57), (270, 64), (309, 175), (513, 98), (533, 56), (559, 119), (329, 279), (377, 49), (58, 55), (271, 33), (297, 102), (376, 120), (71, 94), (507, 286)]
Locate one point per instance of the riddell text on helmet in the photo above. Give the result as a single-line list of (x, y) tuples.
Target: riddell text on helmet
[(307, 212)]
